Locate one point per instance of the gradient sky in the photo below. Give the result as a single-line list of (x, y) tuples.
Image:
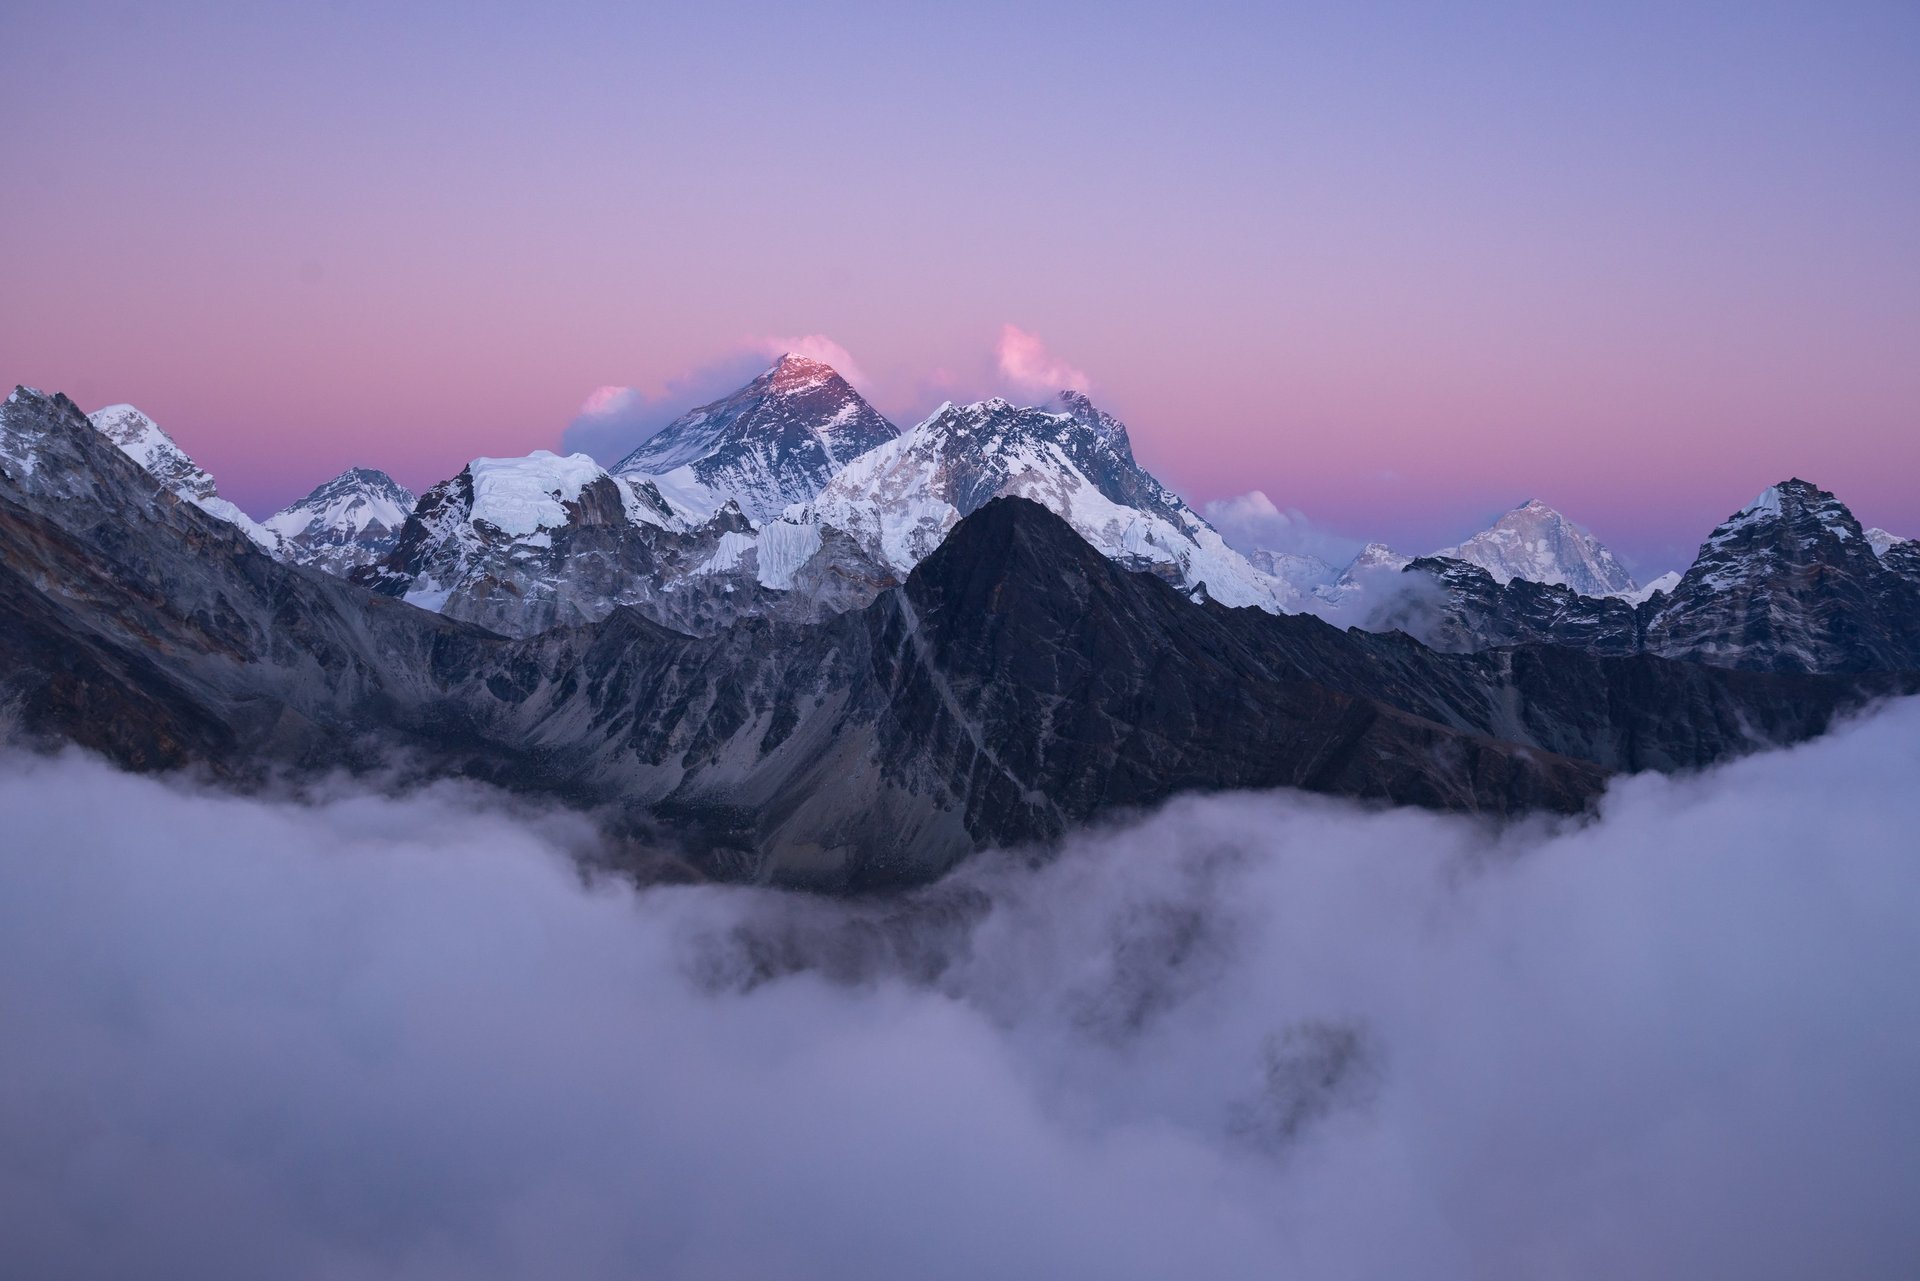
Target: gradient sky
[(1394, 267)]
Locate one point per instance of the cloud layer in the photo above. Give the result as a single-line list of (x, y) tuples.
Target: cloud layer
[(1248, 1035)]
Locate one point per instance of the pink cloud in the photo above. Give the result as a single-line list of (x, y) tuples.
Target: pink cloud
[(1026, 362), (603, 401)]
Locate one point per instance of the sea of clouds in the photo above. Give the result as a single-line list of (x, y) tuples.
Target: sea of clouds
[(355, 1036)]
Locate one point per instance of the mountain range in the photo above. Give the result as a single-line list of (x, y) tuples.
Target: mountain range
[(783, 640)]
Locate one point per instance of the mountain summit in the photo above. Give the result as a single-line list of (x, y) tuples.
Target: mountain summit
[(353, 519), (141, 439), (1537, 543), (775, 442)]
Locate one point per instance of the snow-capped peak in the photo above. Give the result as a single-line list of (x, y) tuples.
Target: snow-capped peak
[(1767, 504), (1790, 503), (774, 442), (141, 439), (1880, 540), (900, 500), (1537, 543), (1081, 408), (353, 519), (351, 502), (793, 374), (1374, 561)]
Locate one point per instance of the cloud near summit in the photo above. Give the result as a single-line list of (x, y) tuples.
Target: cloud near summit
[(1028, 363), (821, 348), (614, 419)]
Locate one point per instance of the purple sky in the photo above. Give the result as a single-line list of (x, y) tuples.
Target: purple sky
[(1395, 268)]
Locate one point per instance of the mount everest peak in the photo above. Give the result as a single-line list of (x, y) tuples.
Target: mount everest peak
[(774, 442)]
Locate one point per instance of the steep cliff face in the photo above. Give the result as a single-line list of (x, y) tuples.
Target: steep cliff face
[(1019, 683)]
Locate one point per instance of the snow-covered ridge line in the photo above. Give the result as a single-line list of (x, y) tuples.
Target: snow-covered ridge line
[(141, 439), (901, 499)]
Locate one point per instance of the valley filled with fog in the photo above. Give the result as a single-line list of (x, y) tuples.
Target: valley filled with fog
[(354, 1035)]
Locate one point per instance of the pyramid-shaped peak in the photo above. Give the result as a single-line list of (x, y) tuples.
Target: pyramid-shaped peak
[(1792, 509), (360, 480), (795, 373), (1536, 543)]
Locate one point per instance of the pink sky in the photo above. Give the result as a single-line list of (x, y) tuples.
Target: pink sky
[(1397, 274)]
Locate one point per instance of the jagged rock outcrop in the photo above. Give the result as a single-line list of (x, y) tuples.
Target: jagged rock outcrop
[(521, 545), (1790, 583)]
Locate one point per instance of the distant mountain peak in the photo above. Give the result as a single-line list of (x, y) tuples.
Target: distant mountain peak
[(774, 442), (1881, 540), (353, 519), (900, 501), (794, 374), (1535, 542)]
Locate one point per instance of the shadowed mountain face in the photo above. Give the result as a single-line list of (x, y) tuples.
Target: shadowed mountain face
[(1018, 684)]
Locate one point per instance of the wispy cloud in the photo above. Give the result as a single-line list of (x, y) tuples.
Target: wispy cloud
[(1027, 363), (1252, 521), (613, 420)]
